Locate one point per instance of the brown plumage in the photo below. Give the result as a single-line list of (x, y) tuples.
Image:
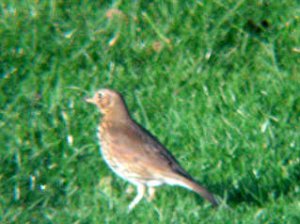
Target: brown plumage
[(134, 154)]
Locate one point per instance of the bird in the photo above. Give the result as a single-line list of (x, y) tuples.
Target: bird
[(134, 154)]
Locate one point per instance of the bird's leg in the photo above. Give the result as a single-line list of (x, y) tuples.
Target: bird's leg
[(151, 193), (140, 193)]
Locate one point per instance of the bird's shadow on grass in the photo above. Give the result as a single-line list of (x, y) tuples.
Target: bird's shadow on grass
[(252, 191)]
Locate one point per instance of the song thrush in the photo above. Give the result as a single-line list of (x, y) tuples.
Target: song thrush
[(134, 154)]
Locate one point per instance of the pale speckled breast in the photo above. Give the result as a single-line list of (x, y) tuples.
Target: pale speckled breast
[(128, 170), (109, 156), (104, 143)]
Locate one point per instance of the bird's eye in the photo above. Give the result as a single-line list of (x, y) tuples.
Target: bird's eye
[(100, 95)]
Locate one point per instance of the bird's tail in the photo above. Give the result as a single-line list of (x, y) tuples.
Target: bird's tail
[(194, 186)]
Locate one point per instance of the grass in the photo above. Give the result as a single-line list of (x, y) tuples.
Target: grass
[(217, 82)]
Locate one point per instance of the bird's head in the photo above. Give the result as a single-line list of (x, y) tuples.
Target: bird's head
[(109, 102)]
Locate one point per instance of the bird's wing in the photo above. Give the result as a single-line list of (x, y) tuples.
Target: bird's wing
[(142, 151)]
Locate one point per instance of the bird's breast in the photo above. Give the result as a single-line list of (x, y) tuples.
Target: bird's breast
[(107, 145), (103, 138)]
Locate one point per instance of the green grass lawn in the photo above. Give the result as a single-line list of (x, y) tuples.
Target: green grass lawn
[(218, 82)]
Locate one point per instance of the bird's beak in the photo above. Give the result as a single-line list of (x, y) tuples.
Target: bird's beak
[(90, 100)]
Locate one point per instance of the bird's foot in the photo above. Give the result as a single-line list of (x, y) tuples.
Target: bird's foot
[(140, 193)]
